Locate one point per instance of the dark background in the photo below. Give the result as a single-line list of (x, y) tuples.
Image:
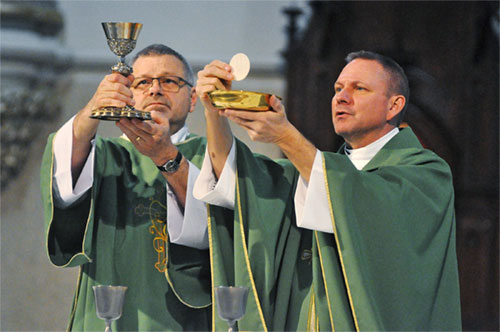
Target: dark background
[(450, 52)]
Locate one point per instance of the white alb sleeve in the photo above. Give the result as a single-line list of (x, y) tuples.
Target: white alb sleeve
[(190, 229), (311, 200), (221, 192), (62, 183)]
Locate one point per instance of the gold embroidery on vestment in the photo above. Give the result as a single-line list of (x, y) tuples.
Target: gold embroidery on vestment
[(158, 229)]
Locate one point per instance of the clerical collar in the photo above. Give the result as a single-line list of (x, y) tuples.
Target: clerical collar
[(362, 156)]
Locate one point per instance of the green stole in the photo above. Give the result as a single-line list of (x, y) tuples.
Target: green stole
[(117, 235), (390, 264)]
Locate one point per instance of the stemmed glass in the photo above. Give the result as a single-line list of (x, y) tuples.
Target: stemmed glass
[(121, 38), (231, 304), (109, 303)]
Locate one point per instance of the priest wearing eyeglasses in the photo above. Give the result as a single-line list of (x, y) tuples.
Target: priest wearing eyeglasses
[(122, 208)]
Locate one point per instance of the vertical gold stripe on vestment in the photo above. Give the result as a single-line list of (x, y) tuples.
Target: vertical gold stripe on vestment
[(324, 281), (335, 235), (245, 251), (211, 251)]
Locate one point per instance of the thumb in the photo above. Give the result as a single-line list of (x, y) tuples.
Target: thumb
[(160, 118), (276, 104)]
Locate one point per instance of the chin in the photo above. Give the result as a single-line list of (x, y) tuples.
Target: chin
[(339, 130), (157, 108)]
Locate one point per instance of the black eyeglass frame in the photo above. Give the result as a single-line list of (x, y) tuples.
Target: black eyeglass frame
[(158, 79)]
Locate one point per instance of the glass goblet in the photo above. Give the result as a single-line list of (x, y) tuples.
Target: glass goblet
[(231, 304), (109, 303)]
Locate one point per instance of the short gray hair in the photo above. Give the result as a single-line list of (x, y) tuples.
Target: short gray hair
[(160, 49)]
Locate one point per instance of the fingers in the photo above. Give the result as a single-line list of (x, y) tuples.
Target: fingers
[(208, 84), (160, 118), (149, 137), (128, 126), (113, 91), (241, 121), (131, 131), (134, 127), (242, 115), (276, 104), (214, 76), (217, 69)]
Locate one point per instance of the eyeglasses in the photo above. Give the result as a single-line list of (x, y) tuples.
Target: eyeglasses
[(167, 83)]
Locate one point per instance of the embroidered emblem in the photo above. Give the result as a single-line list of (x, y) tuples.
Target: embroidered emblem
[(140, 210), (156, 212)]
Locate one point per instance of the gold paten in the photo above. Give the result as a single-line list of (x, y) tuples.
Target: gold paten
[(243, 100)]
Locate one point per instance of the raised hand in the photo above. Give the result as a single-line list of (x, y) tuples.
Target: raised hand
[(151, 138), (269, 127), (214, 76), (112, 91)]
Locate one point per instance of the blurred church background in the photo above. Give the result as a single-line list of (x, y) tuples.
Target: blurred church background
[(54, 54)]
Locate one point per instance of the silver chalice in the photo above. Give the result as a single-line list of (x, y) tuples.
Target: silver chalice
[(121, 38)]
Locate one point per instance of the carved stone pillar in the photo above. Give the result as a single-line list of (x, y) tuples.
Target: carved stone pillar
[(32, 61)]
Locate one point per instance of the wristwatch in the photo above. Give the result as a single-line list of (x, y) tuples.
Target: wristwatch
[(172, 165)]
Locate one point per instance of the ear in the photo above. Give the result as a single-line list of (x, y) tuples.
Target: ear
[(194, 99), (396, 105)]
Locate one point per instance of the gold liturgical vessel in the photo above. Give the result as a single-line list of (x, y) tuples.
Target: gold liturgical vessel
[(239, 99), (121, 38)]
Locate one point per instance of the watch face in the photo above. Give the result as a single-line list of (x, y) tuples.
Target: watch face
[(172, 165)]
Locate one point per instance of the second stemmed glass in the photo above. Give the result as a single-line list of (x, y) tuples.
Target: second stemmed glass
[(231, 304), (109, 303)]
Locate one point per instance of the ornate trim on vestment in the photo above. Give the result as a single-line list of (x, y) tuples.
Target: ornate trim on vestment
[(247, 260), (335, 235)]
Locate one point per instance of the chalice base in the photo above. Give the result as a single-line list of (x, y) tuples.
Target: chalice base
[(111, 113)]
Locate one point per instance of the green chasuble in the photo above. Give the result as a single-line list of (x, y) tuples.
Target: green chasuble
[(117, 234), (389, 265)]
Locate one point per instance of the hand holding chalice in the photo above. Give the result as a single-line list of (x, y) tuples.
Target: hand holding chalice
[(121, 38)]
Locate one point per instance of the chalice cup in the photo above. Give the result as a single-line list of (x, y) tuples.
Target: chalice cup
[(231, 304), (121, 38), (109, 303)]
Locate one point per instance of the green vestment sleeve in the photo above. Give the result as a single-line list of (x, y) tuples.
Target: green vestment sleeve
[(261, 247), (117, 235)]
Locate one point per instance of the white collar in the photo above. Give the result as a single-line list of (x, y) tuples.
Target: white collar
[(362, 156)]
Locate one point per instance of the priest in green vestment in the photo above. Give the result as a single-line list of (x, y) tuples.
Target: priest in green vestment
[(121, 209), (362, 239)]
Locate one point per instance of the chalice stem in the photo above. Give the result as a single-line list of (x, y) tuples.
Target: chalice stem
[(108, 326)]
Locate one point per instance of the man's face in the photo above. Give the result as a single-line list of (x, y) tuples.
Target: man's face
[(360, 106), (176, 105)]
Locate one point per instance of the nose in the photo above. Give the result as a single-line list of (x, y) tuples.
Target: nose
[(343, 97), (155, 88)]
